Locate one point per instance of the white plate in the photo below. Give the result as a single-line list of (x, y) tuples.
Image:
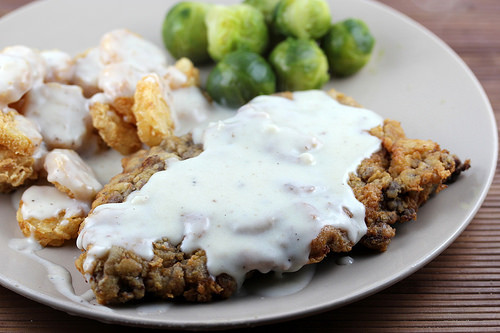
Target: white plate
[(413, 77)]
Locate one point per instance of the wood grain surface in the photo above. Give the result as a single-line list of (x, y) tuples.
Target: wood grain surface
[(459, 291)]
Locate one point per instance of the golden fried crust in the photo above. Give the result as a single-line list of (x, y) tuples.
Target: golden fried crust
[(15, 170), (123, 107), (187, 68), (53, 231), (117, 133), (123, 276), (394, 182), (330, 239), (12, 137), (151, 111), (343, 99)]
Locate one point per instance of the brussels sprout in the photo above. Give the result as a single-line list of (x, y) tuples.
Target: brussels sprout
[(306, 19), (266, 7), (239, 77), (185, 33), (348, 46), (236, 27), (299, 64)]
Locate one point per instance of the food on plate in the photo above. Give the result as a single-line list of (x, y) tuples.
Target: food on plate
[(124, 118), (197, 215), (201, 31), (32, 57), (207, 196), (50, 216), (59, 66), (50, 126), (151, 111), (71, 175), (184, 32), (398, 179), (304, 19), (16, 78), (348, 46), (113, 129), (239, 77), (299, 64), (266, 7), (87, 68), (235, 27), (61, 113)]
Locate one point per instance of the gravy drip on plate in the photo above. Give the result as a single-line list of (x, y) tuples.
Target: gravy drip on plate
[(268, 180)]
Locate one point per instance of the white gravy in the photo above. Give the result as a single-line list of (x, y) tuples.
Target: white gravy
[(15, 79), (45, 202), (61, 112), (65, 167), (268, 180)]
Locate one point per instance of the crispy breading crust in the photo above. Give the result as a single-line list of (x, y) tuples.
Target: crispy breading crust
[(392, 184), (187, 68), (12, 137), (17, 165), (116, 132), (397, 180), (52, 231), (151, 111), (15, 170)]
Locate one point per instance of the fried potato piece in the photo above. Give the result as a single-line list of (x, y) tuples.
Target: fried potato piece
[(15, 170), (152, 113), (117, 133), (32, 56), (49, 216), (123, 107), (182, 75), (86, 71), (19, 141), (71, 175), (59, 65), (124, 46), (17, 133), (16, 78), (60, 112)]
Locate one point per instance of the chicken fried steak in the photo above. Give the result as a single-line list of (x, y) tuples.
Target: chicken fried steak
[(391, 184)]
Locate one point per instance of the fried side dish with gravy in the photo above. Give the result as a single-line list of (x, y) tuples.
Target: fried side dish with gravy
[(58, 111), (392, 184)]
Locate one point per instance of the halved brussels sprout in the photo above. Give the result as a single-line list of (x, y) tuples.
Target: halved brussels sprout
[(299, 64), (185, 33), (306, 19), (236, 27), (348, 46), (239, 77)]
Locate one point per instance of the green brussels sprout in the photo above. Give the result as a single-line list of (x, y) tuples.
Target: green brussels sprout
[(185, 33), (239, 77), (266, 7), (348, 46), (299, 64), (306, 19), (236, 27)]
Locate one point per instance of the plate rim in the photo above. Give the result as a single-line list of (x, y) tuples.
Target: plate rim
[(74, 309)]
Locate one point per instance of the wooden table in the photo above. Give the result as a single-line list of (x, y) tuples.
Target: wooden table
[(459, 291)]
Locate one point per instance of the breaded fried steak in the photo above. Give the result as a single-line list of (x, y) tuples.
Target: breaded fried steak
[(281, 184)]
